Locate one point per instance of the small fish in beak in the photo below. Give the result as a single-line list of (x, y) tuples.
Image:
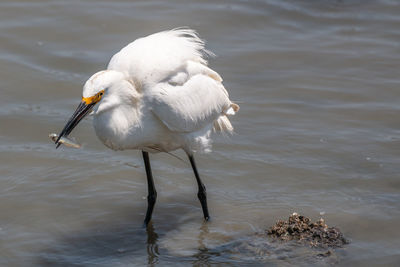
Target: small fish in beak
[(65, 141)]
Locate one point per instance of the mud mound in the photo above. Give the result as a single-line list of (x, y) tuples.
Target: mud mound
[(316, 234)]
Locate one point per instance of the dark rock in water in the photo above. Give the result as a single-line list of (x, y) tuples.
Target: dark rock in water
[(316, 234), (295, 242)]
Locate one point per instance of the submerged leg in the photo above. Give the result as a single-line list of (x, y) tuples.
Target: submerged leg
[(202, 189), (152, 193)]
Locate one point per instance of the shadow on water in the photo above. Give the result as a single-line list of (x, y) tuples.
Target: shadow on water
[(125, 243), (134, 245), (118, 244)]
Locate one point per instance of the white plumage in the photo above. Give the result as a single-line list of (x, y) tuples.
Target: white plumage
[(159, 95)]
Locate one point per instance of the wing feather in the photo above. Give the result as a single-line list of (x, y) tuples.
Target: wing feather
[(158, 56), (191, 106), (171, 70)]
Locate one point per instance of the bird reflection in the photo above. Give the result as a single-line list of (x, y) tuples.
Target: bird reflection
[(202, 235), (152, 246), (204, 255)]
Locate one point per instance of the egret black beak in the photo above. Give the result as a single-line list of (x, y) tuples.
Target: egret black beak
[(82, 110)]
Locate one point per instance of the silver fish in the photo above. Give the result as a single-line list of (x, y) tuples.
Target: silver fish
[(65, 141)]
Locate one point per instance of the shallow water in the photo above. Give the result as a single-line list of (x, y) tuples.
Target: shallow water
[(318, 131)]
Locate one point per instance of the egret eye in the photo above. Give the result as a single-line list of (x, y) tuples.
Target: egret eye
[(101, 93)]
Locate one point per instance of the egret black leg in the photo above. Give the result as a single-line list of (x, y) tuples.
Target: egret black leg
[(202, 189), (152, 193)]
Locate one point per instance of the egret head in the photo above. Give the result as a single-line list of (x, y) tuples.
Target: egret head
[(93, 92)]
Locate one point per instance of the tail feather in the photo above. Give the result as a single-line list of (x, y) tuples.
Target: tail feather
[(232, 109), (222, 124)]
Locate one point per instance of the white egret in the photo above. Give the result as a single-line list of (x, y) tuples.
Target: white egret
[(157, 95)]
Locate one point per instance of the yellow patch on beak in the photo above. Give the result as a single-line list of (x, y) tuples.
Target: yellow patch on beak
[(93, 99)]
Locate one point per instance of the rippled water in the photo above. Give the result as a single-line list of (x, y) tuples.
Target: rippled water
[(318, 131)]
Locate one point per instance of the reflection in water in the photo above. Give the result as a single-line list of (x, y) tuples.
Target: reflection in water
[(152, 246), (205, 255), (203, 232), (124, 243)]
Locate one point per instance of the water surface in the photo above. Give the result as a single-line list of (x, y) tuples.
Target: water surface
[(318, 131)]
